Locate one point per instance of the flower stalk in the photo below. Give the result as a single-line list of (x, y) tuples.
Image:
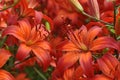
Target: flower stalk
[(14, 4), (81, 10), (39, 73)]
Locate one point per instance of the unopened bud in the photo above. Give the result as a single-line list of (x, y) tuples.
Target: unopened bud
[(94, 8), (77, 5)]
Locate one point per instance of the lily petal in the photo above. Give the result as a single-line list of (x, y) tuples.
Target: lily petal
[(21, 76), (117, 25), (94, 8), (86, 64), (92, 33), (24, 9), (23, 52), (78, 73), (67, 61), (25, 28), (110, 63), (43, 44), (4, 56), (103, 42), (42, 55), (4, 75), (14, 31), (83, 33), (33, 4), (68, 74), (67, 46), (101, 77), (38, 16), (104, 69)]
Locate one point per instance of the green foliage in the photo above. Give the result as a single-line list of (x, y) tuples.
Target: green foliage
[(36, 73)]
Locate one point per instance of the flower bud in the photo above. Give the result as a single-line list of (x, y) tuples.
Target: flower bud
[(77, 5)]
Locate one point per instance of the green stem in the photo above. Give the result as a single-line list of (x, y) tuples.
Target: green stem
[(96, 19), (14, 4), (115, 8), (39, 73), (94, 57), (81, 10), (24, 60), (3, 41)]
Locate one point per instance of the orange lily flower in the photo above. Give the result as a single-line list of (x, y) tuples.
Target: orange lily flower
[(4, 56), (30, 40), (79, 46), (4, 75), (25, 9)]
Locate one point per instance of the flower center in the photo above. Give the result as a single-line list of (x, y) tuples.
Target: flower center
[(84, 47), (29, 43)]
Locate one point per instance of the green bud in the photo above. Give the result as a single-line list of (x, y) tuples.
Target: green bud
[(77, 5)]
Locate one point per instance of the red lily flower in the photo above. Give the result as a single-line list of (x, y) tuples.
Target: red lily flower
[(80, 46), (94, 8), (23, 8), (30, 40), (108, 64), (108, 5), (108, 16), (104, 28)]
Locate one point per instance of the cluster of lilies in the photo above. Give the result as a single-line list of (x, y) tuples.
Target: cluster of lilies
[(59, 40)]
